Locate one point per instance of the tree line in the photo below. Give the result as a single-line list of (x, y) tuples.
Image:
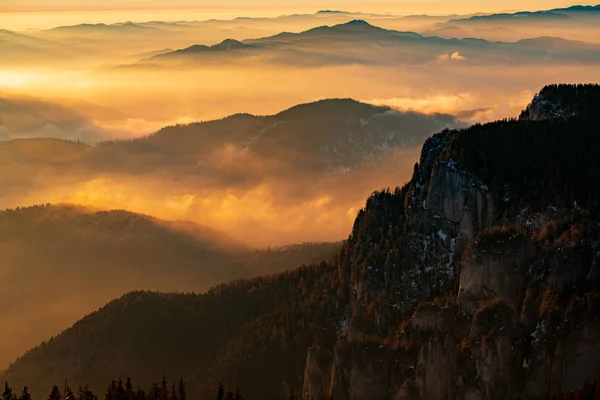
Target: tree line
[(124, 390), (118, 389)]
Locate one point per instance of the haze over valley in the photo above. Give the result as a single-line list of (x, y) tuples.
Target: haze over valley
[(319, 201), (99, 82)]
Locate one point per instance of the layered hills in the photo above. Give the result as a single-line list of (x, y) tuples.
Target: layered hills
[(478, 279), (238, 174), (359, 42), (327, 135), (59, 262)]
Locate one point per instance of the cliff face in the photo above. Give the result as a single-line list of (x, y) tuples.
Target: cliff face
[(562, 101), (457, 293)]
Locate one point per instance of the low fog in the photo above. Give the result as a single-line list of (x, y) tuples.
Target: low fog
[(110, 74), (106, 117), (297, 176), (84, 259)]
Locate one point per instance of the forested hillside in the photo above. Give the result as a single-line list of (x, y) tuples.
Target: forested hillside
[(59, 262), (253, 333), (479, 279)]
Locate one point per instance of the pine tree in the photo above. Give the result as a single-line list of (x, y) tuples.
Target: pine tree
[(25, 394), (121, 393), (221, 392), (68, 395), (140, 394), (55, 394), (155, 392), (182, 390), (84, 393), (174, 392), (8, 392), (112, 391), (129, 395), (229, 395), (164, 388)]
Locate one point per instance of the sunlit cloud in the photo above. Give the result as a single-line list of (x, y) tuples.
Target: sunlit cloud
[(450, 57), (442, 103), (15, 79)]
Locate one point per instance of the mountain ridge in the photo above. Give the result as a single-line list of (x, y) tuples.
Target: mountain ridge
[(362, 33), (113, 251), (456, 285), (555, 13), (327, 122), (224, 46)]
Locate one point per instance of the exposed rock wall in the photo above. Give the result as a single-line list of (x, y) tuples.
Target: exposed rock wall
[(504, 324)]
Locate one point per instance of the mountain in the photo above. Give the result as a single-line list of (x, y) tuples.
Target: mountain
[(579, 23), (17, 50), (478, 279), (23, 117), (359, 26), (107, 45), (557, 43), (242, 174), (59, 262), (20, 48), (359, 42), (21, 39), (522, 15), (101, 28), (548, 15), (562, 101), (328, 135), (580, 9), (201, 328), (225, 46)]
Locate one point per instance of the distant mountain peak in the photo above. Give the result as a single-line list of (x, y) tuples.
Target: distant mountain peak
[(332, 12), (358, 25), (225, 45), (521, 15), (580, 8), (358, 22), (230, 44)]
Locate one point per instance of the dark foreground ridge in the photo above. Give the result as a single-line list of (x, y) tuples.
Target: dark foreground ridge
[(476, 280)]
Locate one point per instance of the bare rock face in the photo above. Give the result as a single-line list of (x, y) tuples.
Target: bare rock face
[(581, 362), (495, 266), (361, 371), (494, 318), (369, 378), (426, 317), (541, 108), (432, 320), (407, 391), (316, 376), (448, 192), (340, 374), (562, 364), (436, 371), (468, 295), (495, 367), (474, 394)]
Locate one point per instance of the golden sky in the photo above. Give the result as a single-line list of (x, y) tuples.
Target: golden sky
[(402, 6), (20, 15)]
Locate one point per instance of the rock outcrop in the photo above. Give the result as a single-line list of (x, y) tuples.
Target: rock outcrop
[(470, 295)]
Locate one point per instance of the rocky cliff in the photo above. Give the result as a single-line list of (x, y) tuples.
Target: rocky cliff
[(474, 282), (562, 101)]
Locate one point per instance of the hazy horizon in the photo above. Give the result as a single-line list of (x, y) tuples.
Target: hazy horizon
[(21, 15), (99, 83), (177, 145)]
